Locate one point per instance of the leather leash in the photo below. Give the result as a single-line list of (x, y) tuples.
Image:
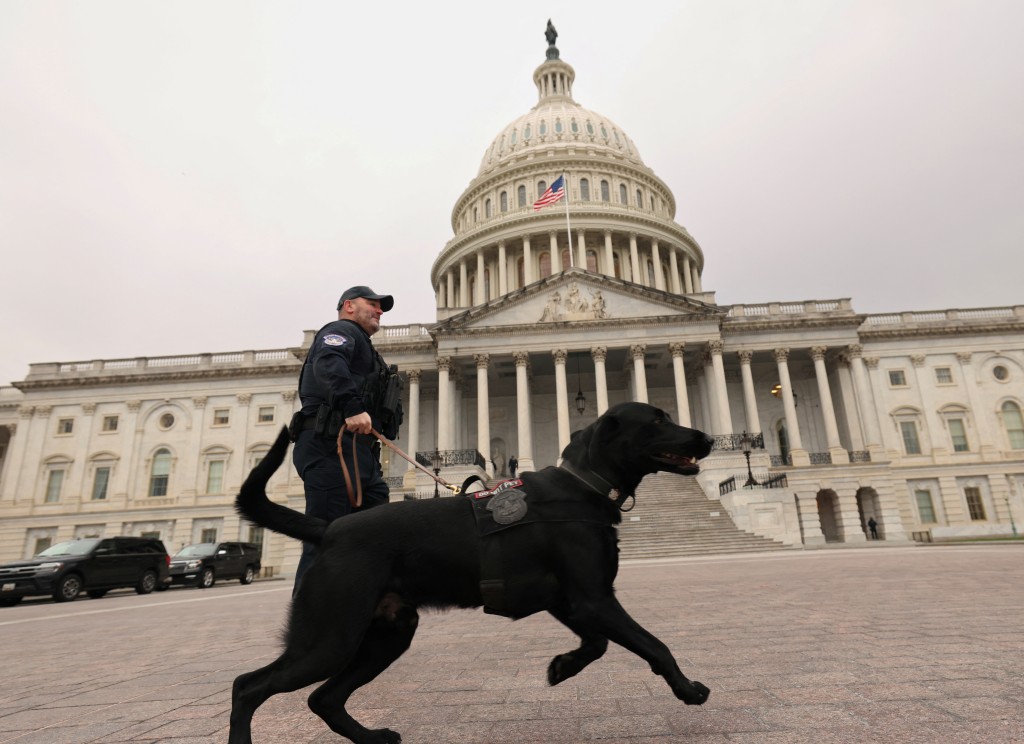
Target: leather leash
[(355, 496)]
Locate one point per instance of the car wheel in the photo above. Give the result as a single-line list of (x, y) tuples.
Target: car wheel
[(248, 576), (67, 588), (147, 583), (10, 601), (206, 579), (97, 593)]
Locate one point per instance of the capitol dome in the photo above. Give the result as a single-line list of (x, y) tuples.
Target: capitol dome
[(616, 218), (557, 121)]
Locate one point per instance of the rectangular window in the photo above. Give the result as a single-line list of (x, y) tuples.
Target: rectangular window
[(54, 480), (925, 508), (221, 416), (215, 477), (65, 426), (110, 423), (256, 536), (944, 375), (974, 503), (209, 535), (958, 434), (266, 415), (42, 543), (154, 535), (897, 378), (99, 483), (911, 444)]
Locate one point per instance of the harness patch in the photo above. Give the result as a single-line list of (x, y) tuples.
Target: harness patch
[(503, 486), (508, 506)]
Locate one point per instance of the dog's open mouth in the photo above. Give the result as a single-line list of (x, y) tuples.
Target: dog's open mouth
[(679, 463)]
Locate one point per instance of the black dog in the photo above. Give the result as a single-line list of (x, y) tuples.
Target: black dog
[(546, 542)]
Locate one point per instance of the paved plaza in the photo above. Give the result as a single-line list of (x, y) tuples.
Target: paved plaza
[(878, 644)]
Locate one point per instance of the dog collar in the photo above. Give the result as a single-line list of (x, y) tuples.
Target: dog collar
[(592, 479)]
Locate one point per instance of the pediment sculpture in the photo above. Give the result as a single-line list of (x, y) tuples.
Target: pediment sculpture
[(575, 306)]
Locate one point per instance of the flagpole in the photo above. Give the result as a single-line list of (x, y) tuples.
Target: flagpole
[(568, 228)]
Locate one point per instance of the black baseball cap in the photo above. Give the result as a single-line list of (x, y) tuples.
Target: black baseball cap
[(386, 301)]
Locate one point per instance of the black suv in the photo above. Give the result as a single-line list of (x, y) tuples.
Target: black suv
[(203, 563), (94, 565)]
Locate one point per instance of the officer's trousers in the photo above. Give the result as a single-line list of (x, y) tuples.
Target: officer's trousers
[(316, 460)]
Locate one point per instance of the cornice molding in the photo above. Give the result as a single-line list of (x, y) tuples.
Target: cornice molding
[(84, 381)]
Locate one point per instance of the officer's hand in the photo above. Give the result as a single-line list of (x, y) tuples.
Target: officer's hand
[(361, 423)]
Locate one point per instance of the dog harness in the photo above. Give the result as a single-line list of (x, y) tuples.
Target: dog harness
[(505, 588)]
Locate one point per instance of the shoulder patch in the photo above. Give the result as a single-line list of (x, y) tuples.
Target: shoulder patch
[(333, 339)]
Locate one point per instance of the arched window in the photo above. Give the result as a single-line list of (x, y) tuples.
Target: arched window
[(584, 189), (543, 127), (160, 472), (605, 191), (623, 195), (521, 196), (487, 208), (504, 201), (1014, 423), (545, 264), (592, 261), (558, 126), (639, 199), (542, 186)]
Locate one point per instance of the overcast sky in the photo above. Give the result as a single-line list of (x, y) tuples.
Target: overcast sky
[(184, 177)]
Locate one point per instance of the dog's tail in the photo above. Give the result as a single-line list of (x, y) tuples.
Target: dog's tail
[(252, 502)]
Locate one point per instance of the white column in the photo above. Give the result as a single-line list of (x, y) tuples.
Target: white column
[(481, 285), (16, 456), (865, 402), (599, 354), (711, 394), (696, 280), (687, 275), (457, 426), (451, 289), (561, 399), (659, 274), (581, 251), (483, 411), (637, 351), (528, 277), (556, 255), (721, 389), (679, 377), (987, 438), (673, 266), (634, 260), (609, 255), (750, 416), (502, 270), (524, 425), (84, 440), (444, 404), (936, 426), (835, 447), (463, 284), (413, 430), (796, 447)]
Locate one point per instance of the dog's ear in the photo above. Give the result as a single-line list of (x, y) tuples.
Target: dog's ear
[(600, 433)]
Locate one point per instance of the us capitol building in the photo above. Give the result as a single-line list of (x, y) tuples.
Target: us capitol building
[(911, 418)]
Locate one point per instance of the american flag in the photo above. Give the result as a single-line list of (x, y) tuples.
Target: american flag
[(555, 192)]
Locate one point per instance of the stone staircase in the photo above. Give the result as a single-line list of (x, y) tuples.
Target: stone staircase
[(673, 517)]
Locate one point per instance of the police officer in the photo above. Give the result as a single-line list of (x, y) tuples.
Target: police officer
[(344, 386)]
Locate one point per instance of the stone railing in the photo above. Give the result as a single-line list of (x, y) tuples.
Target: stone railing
[(943, 316), (805, 307), (734, 442), (762, 480), (450, 458), (138, 365)]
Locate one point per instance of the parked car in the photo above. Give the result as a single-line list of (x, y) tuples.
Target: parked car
[(93, 565), (202, 564)]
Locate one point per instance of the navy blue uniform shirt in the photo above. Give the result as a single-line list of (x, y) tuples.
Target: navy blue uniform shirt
[(341, 358)]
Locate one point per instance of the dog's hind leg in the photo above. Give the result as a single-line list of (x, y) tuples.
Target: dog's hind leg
[(592, 647), (387, 638)]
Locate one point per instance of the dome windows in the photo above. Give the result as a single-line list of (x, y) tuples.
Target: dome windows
[(512, 139), (584, 189), (542, 186), (623, 194), (503, 200), (590, 128), (487, 208), (527, 133), (605, 191), (639, 199), (543, 128), (574, 127), (521, 196), (558, 126), (604, 133)]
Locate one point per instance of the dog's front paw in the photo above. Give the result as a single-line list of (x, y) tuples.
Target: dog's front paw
[(697, 694), (561, 668)]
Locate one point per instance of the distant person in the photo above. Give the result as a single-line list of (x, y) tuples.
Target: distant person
[(873, 526), (513, 465)]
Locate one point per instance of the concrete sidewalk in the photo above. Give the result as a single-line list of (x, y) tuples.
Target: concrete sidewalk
[(883, 645)]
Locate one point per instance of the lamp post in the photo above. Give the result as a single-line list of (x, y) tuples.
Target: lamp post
[(581, 399), (1009, 511), (745, 443), (435, 462)]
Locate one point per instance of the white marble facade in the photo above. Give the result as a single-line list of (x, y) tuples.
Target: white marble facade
[(913, 418)]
